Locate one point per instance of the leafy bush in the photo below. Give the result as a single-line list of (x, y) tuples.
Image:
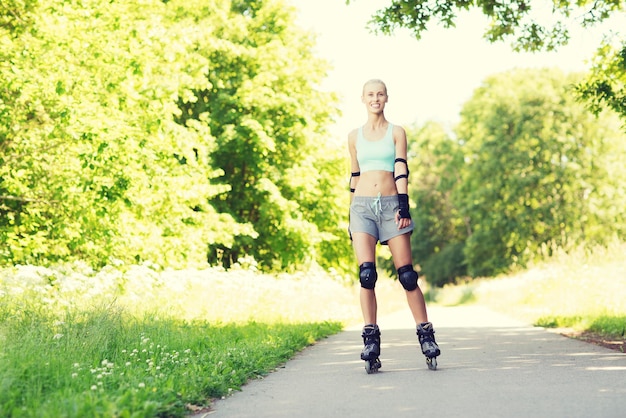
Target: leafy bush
[(446, 266)]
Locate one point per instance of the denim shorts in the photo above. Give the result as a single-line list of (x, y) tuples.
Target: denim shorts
[(376, 216)]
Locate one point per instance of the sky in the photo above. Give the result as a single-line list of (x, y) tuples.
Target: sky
[(427, 79)]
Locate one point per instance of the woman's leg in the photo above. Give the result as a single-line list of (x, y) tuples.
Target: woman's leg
[(400, 248), (365, 250)]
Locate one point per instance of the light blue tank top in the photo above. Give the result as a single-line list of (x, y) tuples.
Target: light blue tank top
[(376, 155)]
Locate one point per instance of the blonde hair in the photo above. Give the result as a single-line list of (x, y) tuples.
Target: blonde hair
[(375, 81)]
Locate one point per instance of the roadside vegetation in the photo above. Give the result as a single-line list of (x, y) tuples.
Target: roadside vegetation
[(581, 292), (136, 341)]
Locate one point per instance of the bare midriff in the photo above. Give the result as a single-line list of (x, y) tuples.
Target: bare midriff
[(373, 183)]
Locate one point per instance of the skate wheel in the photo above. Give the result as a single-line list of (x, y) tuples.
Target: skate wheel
[(372, 366), (431, 362)]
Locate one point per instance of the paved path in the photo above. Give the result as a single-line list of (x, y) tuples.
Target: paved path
[(491, 366)]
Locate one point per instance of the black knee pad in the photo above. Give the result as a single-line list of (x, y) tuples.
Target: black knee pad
[(368, 275), (408, 277)]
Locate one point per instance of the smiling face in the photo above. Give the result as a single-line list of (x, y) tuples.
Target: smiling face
[(374, 95)]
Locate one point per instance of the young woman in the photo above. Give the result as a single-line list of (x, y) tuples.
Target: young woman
[(379, 211)]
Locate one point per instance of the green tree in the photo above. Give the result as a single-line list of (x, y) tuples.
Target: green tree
[(522, 20), (265, 109), (93, 164), (164, 131), (437, 242), (540, 171), (605, 85)]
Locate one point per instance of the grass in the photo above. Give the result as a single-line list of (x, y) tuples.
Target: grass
[(582, 290), (136, 342)]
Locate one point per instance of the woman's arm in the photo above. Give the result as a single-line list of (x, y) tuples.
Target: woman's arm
[(401, 177), (401, 167)]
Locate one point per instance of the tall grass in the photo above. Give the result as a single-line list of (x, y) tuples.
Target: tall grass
[(143, 343), (584, 289)]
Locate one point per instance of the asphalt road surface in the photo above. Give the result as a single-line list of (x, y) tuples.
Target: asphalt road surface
[(490, 366)]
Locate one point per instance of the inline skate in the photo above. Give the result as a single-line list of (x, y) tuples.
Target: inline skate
[(371, 349), (430, 349)]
